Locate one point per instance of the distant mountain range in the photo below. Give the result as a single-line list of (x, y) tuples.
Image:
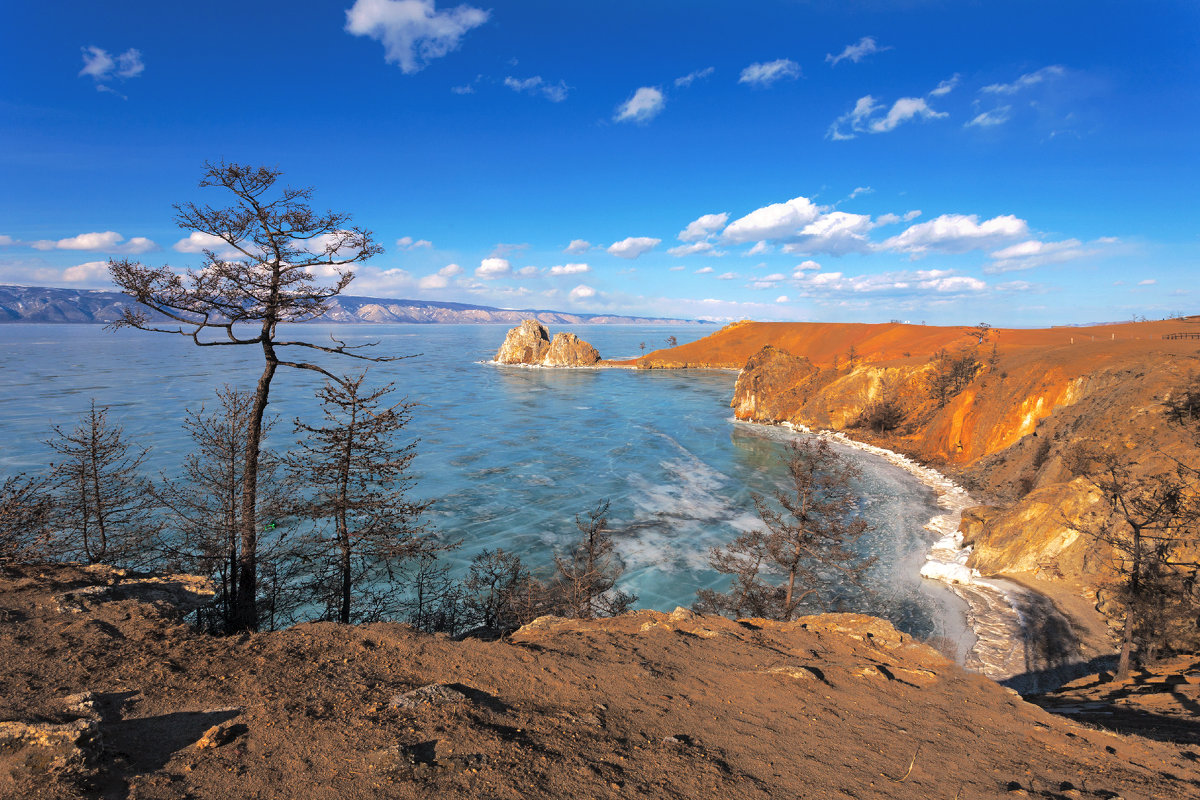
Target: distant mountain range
[(44, 304)]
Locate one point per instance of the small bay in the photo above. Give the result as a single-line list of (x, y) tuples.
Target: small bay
[(509, 454)]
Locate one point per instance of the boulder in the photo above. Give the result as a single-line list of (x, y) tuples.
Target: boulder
[(525, 344), (568, 350)]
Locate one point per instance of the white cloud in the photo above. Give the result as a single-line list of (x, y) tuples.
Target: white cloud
[(676, 269), (109, 241), (407, 243), (902, 110), (434, 281), (104, 68), (198, 242), (692, 249), (528, 271), (1147, 282), (703, 271), (758, 249), (633, 246), (772, 222), (578, 246), (492, 268), (703, 227), (1026, 80), (988, 119), (1034, 253), (836, 232), (958, 233), (413, 32), (644, 106), (581, 292), (465, 89), (856, 52), (919, 283), (554, 92), (765, 74), (691, 77), (859, 190), (90, 271), (946, 86), (7, 241), (865, 118), (569, 269), (783, 298), (727, 276), (804, 266)]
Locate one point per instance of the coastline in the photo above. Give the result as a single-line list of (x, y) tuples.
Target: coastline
[(1021, 635)]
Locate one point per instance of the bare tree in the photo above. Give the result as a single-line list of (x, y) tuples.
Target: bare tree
[(358, 480), (786, 566), (25, 513), (104, 511), (672, 341), (204, 503), (501, 594), (1151, 524), (258, 273), (979, 332), (585, 578)]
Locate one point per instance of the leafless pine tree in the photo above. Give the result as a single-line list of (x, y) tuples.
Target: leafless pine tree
[(25, 514), (257, 273), (357, 481), (203, 505), (786, 566), (585, 578), (103, 509)]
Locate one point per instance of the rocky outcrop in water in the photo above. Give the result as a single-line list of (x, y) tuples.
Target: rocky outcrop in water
[(530, 343)]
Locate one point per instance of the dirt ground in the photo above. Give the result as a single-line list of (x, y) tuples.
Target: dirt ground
[(646, 705)]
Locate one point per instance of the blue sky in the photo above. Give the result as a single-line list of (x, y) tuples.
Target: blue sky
[(1018, 162)]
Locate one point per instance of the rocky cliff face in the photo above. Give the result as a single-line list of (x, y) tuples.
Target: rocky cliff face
[(1007, 434), (530, 343)]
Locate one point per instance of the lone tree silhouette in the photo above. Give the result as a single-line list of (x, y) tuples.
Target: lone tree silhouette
[(259, 259), (782, 568)]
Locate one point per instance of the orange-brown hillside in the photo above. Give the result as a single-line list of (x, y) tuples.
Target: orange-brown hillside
[(1007, 432)]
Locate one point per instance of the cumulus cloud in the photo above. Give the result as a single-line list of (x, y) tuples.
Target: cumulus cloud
[(554, 92), (581, 292), (703, 227), (856, 52), (946, 87), (90, 271), (578, 246), (492, 268), (412, 32), (692, 77), (770, 72), (197, 242), (1027, 80), (758, 249), (958, 233), (633, 246), (1147, 282), (772, 222), (989, 119), (918, 283), (836, 232), (569, 269), (804, 266), (865, 117), (109, 241), (441, 278), (703, 271), (644, 106), (727, 276), (783, 298), (408, 243)]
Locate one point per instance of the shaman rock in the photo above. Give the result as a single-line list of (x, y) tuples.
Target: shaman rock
[(568, 350), (525, 344)]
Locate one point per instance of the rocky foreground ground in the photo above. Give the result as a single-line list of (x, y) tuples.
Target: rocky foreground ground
[(105, 692)]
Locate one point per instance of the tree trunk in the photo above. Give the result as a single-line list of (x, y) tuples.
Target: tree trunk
[(1133, 609), (246, 617)]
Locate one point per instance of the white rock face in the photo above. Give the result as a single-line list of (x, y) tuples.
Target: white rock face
[(529, 343), (525, 344)]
